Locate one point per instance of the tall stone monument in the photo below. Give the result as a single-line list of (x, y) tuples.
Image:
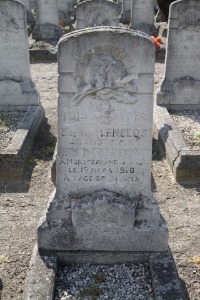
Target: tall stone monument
[(180, 87), (103, 201), (93, 13), (47, 21), (17, 90), (142, 16)]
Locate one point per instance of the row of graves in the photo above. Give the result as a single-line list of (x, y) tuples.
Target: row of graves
[(102, 210), (50, 15)]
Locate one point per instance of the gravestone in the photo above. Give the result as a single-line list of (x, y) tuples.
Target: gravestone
[(142, 16), (126, 11), (93, 13), (47, 21), (17, 90), (180, 87), (67, 11), (29, 15), (103, 200)]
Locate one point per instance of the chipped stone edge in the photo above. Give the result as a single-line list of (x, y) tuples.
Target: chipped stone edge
[(13, 159), (183, 162), (41, 279)]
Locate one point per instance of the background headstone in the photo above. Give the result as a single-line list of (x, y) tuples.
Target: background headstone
[(17, 90), (29, 15), (67, 11), (97, 13), (126, 11), (142, 16), (47, 21), (103, 198), (180, 88)]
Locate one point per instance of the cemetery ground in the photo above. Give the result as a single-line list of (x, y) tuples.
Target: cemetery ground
[(21, 210)]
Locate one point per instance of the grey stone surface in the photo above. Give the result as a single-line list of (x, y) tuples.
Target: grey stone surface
[(142, 16), (29, 15), (40, 282), (126, 12), (17, 90), (47, 21), (103, 199), (183, 162), (180, 87), (67, 11), (93, 13), (14, 158), (165, 280)]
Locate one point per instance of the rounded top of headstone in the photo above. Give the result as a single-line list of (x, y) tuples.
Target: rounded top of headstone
[(103, 30), (13, 2), (95, 2)]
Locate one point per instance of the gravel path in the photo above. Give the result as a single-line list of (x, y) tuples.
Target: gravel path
[(188, 123), (20, 211), (9, 123)]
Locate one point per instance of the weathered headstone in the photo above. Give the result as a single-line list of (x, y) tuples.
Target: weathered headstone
[(180, 88), (93, 13), (67, 11), (17, 90), (103, 199), (142, 16), (29, 15), (47, 21)]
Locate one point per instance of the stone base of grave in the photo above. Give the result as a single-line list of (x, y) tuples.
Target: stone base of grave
[(107, 223), (20, 91), (47, 32), (181, 94), (14, 158), (183, 162), (41, 280)]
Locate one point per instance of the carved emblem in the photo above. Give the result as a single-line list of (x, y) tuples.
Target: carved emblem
[(107, 79)]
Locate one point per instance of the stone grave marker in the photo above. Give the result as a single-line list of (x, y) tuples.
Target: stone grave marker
[(17, 90), (93, 13), (47, 21), (180, 87), (29, 15), (67, 11), (142, 16), (126, 11), (103, 200)]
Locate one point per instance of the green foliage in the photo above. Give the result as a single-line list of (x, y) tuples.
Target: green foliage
[(164, 7), (197, 136)]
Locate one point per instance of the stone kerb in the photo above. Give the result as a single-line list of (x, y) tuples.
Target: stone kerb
[(93, 13), (142, 16), (17, 90), (47, 21), (103, 199), (180, 88)]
